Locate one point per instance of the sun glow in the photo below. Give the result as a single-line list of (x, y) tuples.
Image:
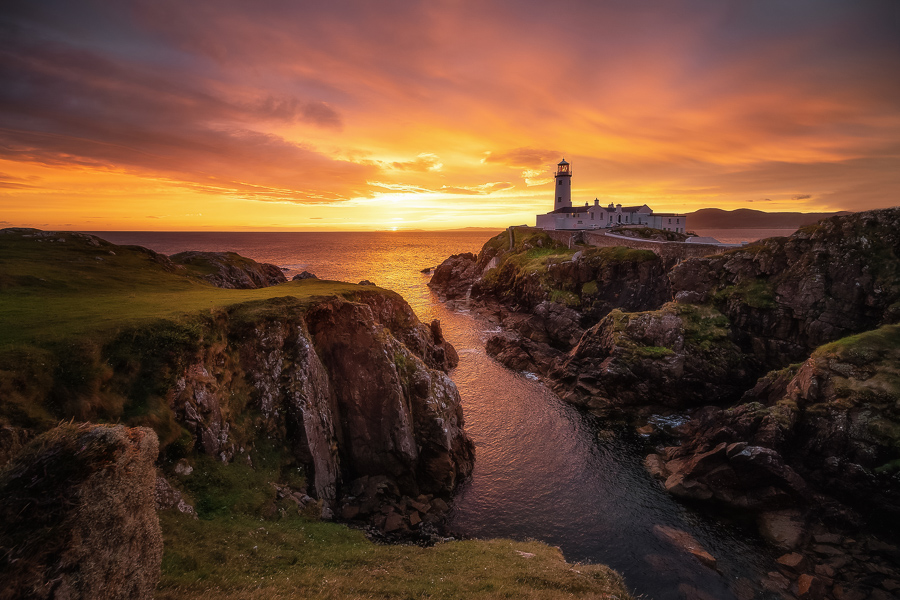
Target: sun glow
[(265, 119)]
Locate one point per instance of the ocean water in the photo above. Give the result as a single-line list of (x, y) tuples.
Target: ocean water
[(544, 470)]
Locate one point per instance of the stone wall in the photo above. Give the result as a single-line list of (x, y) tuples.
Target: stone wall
[(671, 252)]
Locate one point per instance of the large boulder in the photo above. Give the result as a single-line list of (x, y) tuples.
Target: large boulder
[(677, 356), (78, 516), (230, 270), (454, 277)]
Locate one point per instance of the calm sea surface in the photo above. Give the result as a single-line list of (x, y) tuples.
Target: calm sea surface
[(543, 469)]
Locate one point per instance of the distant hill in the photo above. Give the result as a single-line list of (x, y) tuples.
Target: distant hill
[(746, 218)]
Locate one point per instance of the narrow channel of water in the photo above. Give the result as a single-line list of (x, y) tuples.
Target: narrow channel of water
[(544, 470)]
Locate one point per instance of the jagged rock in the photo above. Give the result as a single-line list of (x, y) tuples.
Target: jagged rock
[(230, 270), (454, 277), (397, 417), (78, 515), (365, 282), (784, 528), (676, 356), (786, 296), (168, 497), (303, 275)]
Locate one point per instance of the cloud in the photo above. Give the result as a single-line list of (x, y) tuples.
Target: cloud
[(293, 109), (423, 162), (530, 158), (483, 189), (314, 102)]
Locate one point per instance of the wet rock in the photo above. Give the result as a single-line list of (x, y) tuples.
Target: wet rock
[(794, 562), (784, 528), (656, 466), (686, 542), (810, 587)]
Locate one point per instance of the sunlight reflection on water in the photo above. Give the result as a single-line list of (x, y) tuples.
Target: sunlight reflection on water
[(543, 470)]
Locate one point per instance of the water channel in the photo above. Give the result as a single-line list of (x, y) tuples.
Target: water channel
[(544, 470)]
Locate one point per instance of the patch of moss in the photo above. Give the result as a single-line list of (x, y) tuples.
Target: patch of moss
[(704, 327), (757, 293), (864, 348), (589, 289), (565, 297), (654, 352)]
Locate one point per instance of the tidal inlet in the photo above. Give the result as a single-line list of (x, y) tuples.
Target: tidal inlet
[(450, 300)]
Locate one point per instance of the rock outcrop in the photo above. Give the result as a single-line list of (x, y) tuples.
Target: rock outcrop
[(454, 277), (337, 384), (787, 296), (830, 424), (230, 270), (78, 516), (677, 356)]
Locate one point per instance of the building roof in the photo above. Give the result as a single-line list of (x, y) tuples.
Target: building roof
[(570, 209), (563, 162)]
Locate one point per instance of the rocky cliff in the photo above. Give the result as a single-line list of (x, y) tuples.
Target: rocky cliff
[(790, 421), (786, 296), (78, 517), (340, 381)]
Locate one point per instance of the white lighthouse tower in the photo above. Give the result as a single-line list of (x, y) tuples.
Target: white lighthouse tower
[(563, 185)]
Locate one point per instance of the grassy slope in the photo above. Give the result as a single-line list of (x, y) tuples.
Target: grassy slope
[(243, 557), (52, 293), (52, 290)]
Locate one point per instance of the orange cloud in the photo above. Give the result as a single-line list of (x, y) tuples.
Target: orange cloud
[(308, 107)]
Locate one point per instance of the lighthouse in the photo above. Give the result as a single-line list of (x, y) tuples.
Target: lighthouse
[(563, 185)]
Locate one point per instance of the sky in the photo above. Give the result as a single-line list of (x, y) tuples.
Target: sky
[(357, 115)]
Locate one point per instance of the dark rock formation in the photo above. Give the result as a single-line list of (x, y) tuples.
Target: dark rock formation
[(77, 515), (831, 424), (303, 275), (677, 356), (353, 388), (786, 296), (230, 270), (454, 277)]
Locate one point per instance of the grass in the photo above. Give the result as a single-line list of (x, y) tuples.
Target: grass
[(58, 290), (242, 556), (704, 327), (757, 293), (234, 551)]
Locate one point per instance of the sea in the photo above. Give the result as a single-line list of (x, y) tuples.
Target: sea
[(544, 470)]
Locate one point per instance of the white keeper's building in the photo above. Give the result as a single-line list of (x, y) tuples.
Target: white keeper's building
[(566, 216)]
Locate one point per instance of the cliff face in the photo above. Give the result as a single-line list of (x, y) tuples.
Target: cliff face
[(78, 515), (333, 384), (736, 315), (786, 296), (676, 356), (339, 380), (831, 423)]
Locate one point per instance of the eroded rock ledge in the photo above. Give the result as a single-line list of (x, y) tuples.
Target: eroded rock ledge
[(788, 420)]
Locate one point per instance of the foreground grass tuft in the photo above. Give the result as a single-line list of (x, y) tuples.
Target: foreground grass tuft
[(294, 557)]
